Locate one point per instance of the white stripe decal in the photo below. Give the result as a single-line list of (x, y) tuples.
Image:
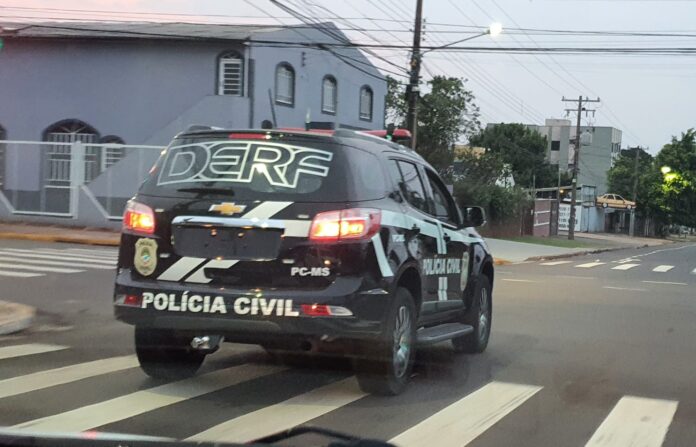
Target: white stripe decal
[(392, 219), (297, 228), (67, 374), (199, 276), (442, 288), (266, 210), (635, 421), (465, 420), (9, 352), (180, 269), (284, 415), (381, 256), (139, 402)]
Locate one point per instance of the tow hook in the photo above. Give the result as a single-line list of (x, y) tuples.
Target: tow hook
[(207, 343)]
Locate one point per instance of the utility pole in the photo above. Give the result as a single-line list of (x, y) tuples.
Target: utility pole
[(576, 160), (634, 198), (413, 89)]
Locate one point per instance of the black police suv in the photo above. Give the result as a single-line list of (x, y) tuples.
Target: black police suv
[(298, 240)]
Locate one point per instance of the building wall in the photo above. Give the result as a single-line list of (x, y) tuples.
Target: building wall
[(131, 89), (597, 158), (310, 68)]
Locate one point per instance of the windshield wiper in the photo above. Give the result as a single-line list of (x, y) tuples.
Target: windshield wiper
[(204, 190)]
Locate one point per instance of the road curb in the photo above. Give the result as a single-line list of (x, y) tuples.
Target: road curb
[(582, 253), (498, 261), (15, 317), (110, 242)]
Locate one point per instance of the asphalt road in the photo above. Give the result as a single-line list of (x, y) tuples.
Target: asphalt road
[(590, 350)]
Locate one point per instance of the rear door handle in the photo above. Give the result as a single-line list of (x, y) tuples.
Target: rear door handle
[(447, 237), (415, 229)]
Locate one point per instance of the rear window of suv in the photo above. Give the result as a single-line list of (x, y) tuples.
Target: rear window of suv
[(291, 169)]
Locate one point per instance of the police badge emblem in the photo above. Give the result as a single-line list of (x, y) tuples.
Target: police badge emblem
[(145, 259)]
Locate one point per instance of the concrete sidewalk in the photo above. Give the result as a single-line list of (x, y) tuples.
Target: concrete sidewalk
[(55, 233), (505, 251)]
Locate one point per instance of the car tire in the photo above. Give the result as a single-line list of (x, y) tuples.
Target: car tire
[(479, 316), (605, 205), (163, 354), (384, 367), (628, 207)]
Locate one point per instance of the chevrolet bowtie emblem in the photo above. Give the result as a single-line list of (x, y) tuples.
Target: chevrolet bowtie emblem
[(227, 208)]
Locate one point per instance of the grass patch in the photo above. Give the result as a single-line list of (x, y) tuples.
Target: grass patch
[(551, 242)]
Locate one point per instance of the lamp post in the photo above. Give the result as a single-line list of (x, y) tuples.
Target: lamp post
[(413, 91)]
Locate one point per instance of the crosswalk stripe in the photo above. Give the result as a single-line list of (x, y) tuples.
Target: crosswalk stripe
[(60, 376), (635, 421), (19, 274), (589, 265), (39, 268), (93, 250), (140, 402), (8, 352), (7, 252), (663, 268), (63, 263), (284, 415), (466, 419), (625, 266), (53, 251), (556, 262)]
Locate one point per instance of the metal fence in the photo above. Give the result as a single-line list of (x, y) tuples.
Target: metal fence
[(85, 182)]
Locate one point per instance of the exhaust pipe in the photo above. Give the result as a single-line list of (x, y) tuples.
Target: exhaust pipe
[(208, 343)]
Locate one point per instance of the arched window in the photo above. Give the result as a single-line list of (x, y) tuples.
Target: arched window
[(58, 157), (329, 95), (285, 84), (366, 99), (230, 74)]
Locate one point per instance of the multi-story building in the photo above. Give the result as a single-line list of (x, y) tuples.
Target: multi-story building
[(600, 145)]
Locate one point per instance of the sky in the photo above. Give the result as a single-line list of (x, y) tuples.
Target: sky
[(649, 97)]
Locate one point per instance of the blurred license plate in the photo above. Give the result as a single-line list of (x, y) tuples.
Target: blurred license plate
[(227, 243)]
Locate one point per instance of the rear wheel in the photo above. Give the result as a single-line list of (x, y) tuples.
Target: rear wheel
[(385, 367), (163, 354), (480, 317)]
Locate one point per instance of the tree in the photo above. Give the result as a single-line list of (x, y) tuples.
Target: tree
[(674, 192), (445, 114), (523, 149), (621, 176)]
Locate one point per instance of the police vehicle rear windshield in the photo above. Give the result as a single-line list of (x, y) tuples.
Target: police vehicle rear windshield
[(294, 168)]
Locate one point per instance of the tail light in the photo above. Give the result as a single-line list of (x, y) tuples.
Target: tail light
[(139, 218), (351, 224)]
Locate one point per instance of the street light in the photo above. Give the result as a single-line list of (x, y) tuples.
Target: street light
[(413, 88), (494, 30), (665, 170)]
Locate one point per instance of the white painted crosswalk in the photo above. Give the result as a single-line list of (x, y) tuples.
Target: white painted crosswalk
[(629, 420), (635, 421), (33, 263), (621, 265)]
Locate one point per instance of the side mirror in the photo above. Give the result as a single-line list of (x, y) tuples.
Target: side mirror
[(474, 216)]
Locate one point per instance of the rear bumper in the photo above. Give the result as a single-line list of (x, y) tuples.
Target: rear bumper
[(251, 316)]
